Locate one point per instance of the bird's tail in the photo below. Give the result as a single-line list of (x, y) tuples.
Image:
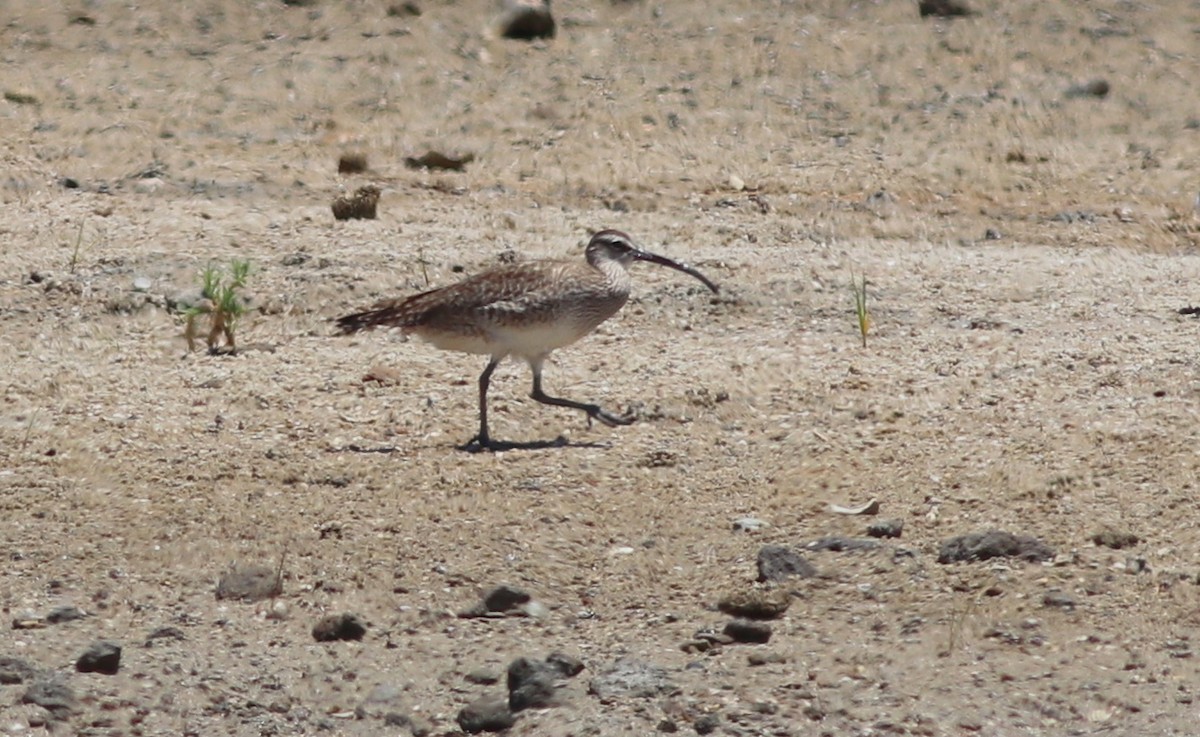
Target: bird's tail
[(385, 314)]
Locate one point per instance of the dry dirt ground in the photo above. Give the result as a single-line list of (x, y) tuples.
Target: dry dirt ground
[(1027, 248)]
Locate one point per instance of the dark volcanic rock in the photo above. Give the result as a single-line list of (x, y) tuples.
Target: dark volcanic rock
[(1116, 539), (65, 614), (531, 684), (53, 696), (486, 715), (500, 600), (101, 657), (15, 670), (525, 20), (743, 630), (777, 562), (979, 546), (339, 627), (886, 528)]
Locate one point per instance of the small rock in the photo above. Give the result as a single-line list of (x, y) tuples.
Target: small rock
[(759, 658), (886, 528), (991, 234), (352, 162), (706, 724), (842, 544), (439, 160), (339, 627), (1115, 539), (531, 684), (748, 524), (756, 603), (15, 670), (362, 205), (65, 614), (866, 509), (164, 633), (777, 562), (743, 630), (500, 600), (1058, 600), (668, 726), (53, 696), (979, 546), (142, 283), (483, 676), (486, 715), (100, 657), (631, 678), (525, 20), (943, 8), (566, 665), (1095, 88), (250, 583)]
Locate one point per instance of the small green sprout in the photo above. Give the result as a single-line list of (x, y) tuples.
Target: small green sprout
[(859, 287), (222, 303)]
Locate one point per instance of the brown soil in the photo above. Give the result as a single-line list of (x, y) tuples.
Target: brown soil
[(1027, 243)]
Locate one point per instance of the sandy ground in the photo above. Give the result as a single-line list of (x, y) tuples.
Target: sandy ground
[(1026, 368)]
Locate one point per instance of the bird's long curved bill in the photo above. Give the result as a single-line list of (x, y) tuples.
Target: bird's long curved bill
[(654, 258)]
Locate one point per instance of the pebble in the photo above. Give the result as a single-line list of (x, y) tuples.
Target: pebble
[(777, 562), (744, 630), (748, 524), (979, 546), (756, 603), (339, 627), (891, 528), (486, 715), (100, 657)]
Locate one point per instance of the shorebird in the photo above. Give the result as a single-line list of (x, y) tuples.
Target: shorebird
[(525, 310)]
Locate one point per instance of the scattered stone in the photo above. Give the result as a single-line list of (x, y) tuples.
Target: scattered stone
[(163, 633), (706, 724), (65, 614), (992, 234), (631, 678), (759, 658), (486, 715), (439, 160), (482, 676), (744, 630), (250, 583), (871, 507), (842, 544), (352, 162), (979, 546), (668, 726), (500, 601), (567, 665), (15, 670), (1098, 88), (400, 10), (748, 524), (1058, 600), (53, 696), (1136, 565), (524, 20), (531, 684), (777, 562), (891, 528), (1116, 539), (21, 97), (1074, 216), (756, 603), (339, 627), (362, 205), (100, 657), (943, 9)]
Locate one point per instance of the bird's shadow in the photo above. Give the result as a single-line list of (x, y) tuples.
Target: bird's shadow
[(494, 446), (501, 446)]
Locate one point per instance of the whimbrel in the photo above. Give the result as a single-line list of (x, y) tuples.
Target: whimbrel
[(525, 310)]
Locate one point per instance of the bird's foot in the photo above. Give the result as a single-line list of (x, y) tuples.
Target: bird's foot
[(596, 413), (479, 444)]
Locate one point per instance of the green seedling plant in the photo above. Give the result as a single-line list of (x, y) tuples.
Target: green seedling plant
[(859, 287), (222, 304)]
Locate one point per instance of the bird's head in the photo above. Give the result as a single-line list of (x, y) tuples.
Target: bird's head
[(613, 245)]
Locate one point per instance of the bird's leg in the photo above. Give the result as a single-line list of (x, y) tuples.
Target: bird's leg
[(594, 411), (482, 441)]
